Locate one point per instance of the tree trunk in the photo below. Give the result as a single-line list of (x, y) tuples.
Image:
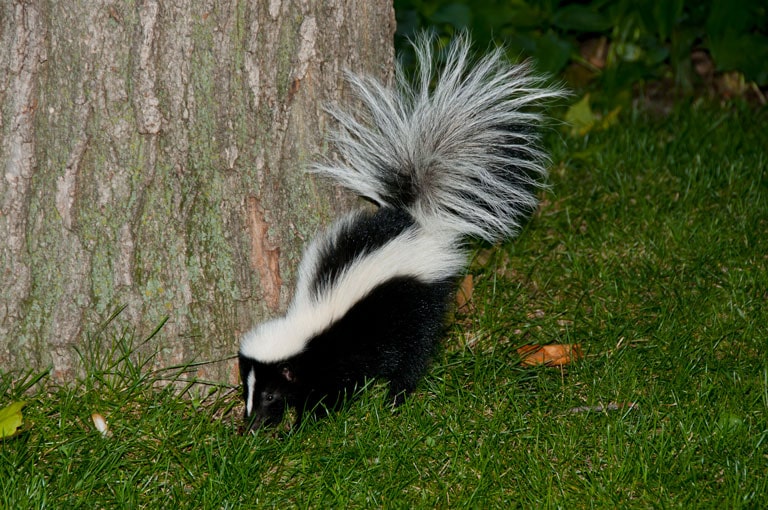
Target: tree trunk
[(153, 157)]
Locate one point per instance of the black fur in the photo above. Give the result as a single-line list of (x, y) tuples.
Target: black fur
[(391, 334), (366, 233)]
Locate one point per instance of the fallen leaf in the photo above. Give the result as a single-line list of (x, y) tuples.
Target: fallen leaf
[(595, 51), (731, 84), (582, 118), (101, 424), (464, 294), (553, 355), (11, 419), (484, 256)]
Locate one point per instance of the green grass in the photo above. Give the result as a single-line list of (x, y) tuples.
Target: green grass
[(651, 253)]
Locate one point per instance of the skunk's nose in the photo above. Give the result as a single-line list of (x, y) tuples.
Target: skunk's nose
[(254, 422)]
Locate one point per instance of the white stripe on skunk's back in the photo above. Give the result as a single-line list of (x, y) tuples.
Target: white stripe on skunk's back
[(426, 256)]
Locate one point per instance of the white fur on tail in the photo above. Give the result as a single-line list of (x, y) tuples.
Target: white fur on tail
[(446, 153)]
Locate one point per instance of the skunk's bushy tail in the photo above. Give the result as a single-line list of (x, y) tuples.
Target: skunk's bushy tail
[(462, 157)]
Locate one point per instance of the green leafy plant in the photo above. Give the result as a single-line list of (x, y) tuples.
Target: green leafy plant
[(615, 44)]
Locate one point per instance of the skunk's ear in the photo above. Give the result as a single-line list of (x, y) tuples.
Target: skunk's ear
[(288, 374)]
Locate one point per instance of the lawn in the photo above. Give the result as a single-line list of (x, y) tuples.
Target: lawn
[(650, 252)]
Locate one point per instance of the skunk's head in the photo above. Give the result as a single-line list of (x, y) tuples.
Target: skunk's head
[(268, 389)]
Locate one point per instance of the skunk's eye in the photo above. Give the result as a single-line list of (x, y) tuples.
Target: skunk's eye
[(270, 397)]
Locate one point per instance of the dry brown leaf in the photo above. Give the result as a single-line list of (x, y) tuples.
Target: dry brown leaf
[(553, 355), (483, 257), (464, 294), (101, 424), (595, 51)]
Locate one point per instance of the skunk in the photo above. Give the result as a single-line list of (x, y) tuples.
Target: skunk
[(444, 163)]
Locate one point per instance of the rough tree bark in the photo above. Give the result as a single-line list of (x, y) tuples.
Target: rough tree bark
[(152, 156)]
